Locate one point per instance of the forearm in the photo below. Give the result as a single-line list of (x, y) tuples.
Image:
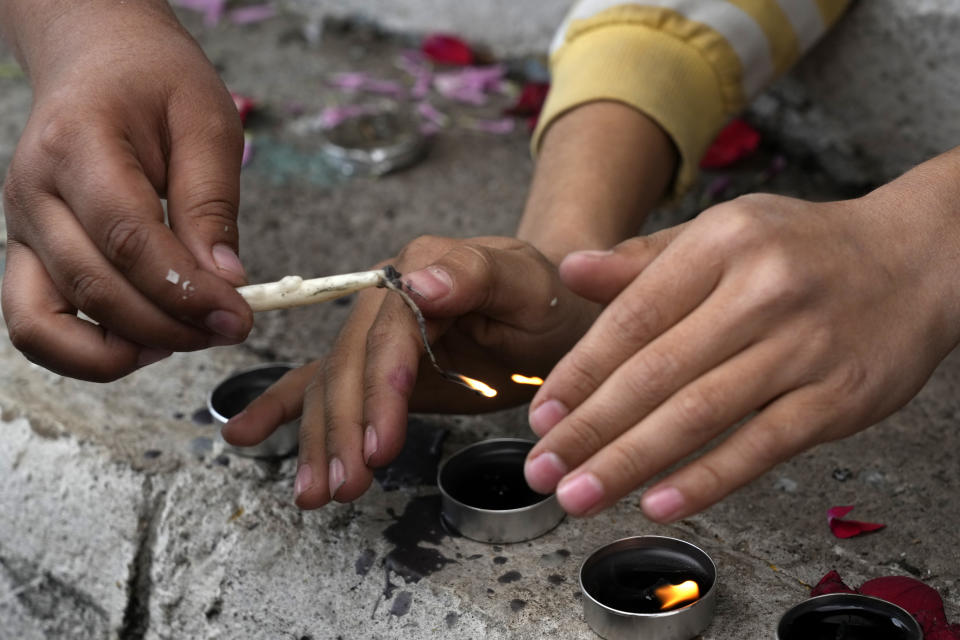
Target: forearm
[(600, 170), (32, 28)]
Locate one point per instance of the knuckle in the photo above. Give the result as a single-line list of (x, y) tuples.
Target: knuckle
[(651, 377), (422, 245), (58, 136), (736, 226), (635, 319), (23, 331), (698, 408), (581, 373), (781, 282), (586, 433), (89, 290), (850, 378), (628, 462), (217, 211), (125, 240)]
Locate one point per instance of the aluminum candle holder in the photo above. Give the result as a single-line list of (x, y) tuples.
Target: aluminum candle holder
[(376, 143), (847, 616), (485, 497), (648, 588), (232, 396)]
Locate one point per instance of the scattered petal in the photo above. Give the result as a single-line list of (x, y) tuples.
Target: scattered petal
[(447, 49), (848, 528), (530, 101), (247, 150), (212, 10), (470, 85), (356, 81), (736, 141), (916, 598), (332, 116), (244, 105), (830, 583), (252, 14), (432, 115)]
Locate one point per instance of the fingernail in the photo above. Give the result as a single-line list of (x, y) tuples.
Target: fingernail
[(369, 443), (547, 415), (544, 472), (227, 260), (592, 254), (150, 356), (303, 481), (338, 476), (226, 324), (581, 494), (431, 283), (663, 504)]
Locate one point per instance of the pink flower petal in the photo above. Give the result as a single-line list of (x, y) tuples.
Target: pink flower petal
[(247, 150), (212, 10), (244, 105), (848, 528), (432, 115), (253, 13), (500, 127)]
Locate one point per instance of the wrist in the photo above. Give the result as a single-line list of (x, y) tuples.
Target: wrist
[(602, 167), (46, 35)]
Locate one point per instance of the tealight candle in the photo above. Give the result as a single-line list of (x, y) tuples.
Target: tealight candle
[(847, 616)]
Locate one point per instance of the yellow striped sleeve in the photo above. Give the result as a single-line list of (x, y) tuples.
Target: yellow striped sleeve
[(687, 64)]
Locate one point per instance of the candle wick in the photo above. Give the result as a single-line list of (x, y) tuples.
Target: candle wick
[(392, 281)]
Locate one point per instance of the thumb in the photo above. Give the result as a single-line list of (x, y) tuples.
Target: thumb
[(510, 280), (203, 185), (601, 275)]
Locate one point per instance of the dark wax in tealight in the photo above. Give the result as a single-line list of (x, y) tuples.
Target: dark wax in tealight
[(626, 580), (492, 480), (846, 623), (236, 400)]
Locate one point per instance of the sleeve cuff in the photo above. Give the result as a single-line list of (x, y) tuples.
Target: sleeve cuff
[(664, 77)]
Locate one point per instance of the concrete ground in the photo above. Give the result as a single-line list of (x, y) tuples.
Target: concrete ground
[(122, 519)]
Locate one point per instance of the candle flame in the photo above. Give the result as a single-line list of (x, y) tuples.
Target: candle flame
[(480, 387), (534, 380), (671, 595)]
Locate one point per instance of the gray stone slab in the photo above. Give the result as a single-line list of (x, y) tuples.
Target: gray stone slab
[(114, 525)]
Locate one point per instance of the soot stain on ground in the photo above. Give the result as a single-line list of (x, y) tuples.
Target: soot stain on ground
[(509, 576), (401, 605), (499, 560), (202, 417), (419, 523), (451, 619), (418, 461), (365, 562), (556, 578), (517, 604)]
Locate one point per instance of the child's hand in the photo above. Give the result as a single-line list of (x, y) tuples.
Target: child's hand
[(126, 110), (494, 306), (821, 318)]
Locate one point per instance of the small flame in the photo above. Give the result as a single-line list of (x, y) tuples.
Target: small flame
[(519, 379), (671, 595), (480, 387)]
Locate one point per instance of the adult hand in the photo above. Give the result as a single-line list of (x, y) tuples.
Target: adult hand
[(494, 306), (126, 110), (810, 321)]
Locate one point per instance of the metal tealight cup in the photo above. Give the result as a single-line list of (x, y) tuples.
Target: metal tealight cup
[(848, 615), (232, 396), (609, 579), (485, 497)]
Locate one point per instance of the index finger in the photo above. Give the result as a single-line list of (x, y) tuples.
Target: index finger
[(121, 212)]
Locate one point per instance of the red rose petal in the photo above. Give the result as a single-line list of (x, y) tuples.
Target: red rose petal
[(848, 528), (244, 105), (830, 583), (916, 598), (737, 140), (530, 101), (447, 49)]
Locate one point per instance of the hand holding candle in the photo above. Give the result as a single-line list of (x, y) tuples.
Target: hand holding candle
[(493, 307)]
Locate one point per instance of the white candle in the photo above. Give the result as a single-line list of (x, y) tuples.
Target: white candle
[(294, 291)]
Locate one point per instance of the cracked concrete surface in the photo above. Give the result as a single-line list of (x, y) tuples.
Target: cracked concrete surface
[(122, 519)]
